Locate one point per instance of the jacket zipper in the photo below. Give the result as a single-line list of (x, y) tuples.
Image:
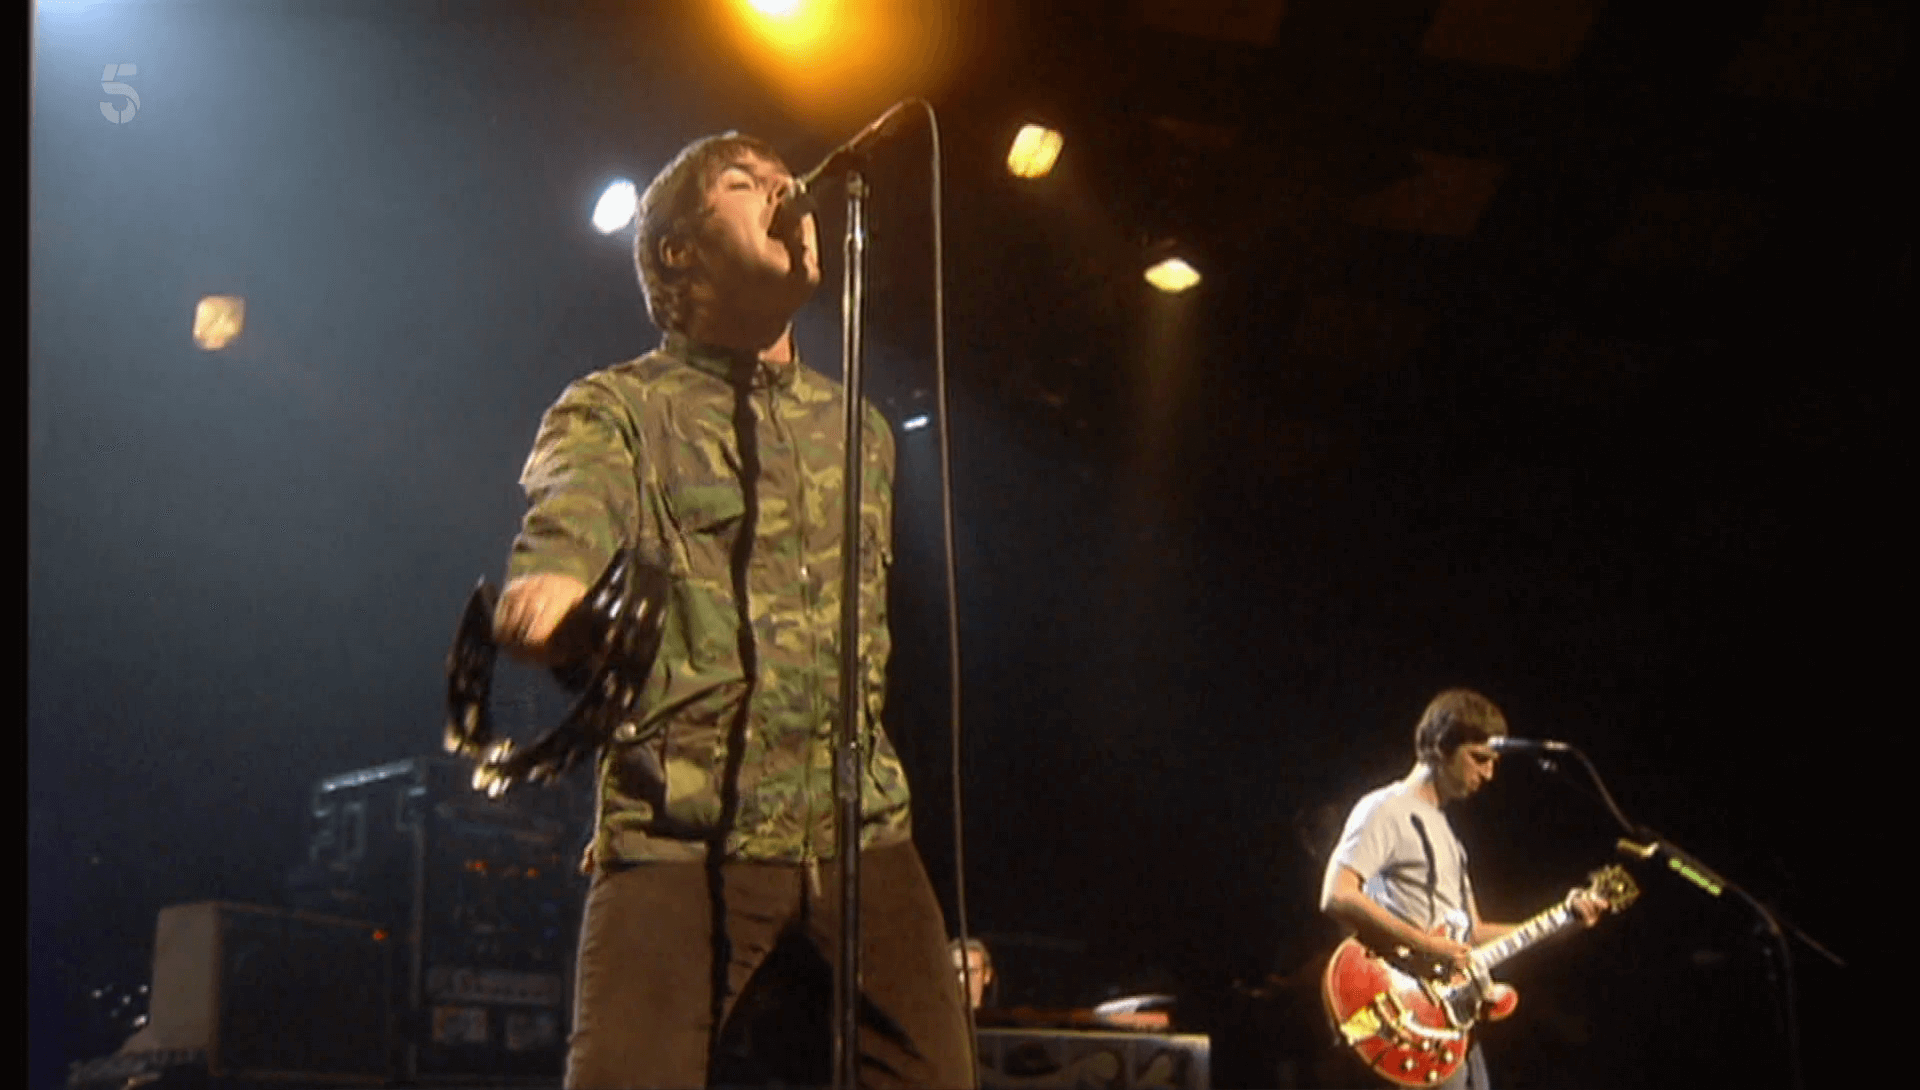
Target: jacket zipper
[(809, 855)]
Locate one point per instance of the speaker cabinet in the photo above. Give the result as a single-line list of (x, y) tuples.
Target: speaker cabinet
[(1017, 1059), (270, 994), (483, 897)]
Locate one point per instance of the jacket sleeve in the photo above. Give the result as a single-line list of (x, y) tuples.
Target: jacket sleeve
[(582, 485)]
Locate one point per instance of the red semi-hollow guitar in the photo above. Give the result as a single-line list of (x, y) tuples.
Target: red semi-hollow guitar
[(1411, 1024)]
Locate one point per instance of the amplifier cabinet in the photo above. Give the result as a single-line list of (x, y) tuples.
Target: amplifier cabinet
[(485, 895), (1022, 1059), (266, 994)]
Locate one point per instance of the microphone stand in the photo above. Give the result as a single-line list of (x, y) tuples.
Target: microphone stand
[(846, 750), (1663, 852)]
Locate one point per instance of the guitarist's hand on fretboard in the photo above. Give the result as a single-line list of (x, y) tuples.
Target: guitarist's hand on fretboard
[(1586, 906)]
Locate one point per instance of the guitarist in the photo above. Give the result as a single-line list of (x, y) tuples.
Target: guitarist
[(1398, 877)]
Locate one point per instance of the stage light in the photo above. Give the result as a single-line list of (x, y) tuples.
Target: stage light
[(218, 320), (1034, 151), (797, 29), (1172, 275), (914, 423), (836, 64), (616, 207)]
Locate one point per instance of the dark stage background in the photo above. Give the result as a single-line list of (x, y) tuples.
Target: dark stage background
[(1551, 349)]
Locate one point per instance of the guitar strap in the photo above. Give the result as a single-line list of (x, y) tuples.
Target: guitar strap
[(1433, 874)]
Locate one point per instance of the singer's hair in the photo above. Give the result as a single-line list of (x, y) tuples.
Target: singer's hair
[(1455, 718), (674, 203)]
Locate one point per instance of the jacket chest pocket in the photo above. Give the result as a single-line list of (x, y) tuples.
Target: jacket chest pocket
[(708, 515), (708, 507)]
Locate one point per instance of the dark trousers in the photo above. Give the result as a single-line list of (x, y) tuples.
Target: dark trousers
[(645, 1007)]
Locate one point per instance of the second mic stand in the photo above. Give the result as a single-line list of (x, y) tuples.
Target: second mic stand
[(1659, 851), (846, 748)]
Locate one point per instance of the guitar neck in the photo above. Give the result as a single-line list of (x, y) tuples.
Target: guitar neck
[(1545, 925)]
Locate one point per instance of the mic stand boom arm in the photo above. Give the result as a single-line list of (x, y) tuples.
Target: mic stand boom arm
[(1663, 852)]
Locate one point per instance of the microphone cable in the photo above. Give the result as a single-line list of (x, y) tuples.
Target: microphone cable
[(936, 199)]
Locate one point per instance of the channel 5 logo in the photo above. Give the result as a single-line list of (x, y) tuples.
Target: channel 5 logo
[(110, 83)]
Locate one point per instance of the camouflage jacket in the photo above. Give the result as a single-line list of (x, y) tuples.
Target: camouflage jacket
[(679, 454)]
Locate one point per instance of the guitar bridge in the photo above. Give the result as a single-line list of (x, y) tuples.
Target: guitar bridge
[(1387, 1017)]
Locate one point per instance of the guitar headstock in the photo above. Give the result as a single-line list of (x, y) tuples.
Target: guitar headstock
[(1613, 887)]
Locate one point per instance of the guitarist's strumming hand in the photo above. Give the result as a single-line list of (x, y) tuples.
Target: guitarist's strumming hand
[(1345, 900), (1446, 954)]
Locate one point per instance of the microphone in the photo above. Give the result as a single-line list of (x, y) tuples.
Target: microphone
[(1503, 744), (798, 201)]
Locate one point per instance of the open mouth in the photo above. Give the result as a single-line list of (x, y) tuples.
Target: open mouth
[(781, 224)]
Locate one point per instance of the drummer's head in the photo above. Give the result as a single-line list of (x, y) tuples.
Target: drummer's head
[(973, 967)]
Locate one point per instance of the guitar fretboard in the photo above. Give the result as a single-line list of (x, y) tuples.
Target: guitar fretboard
[(1545, 925)]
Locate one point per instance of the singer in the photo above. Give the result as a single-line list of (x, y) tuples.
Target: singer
[(718, 456), (1398, 877)]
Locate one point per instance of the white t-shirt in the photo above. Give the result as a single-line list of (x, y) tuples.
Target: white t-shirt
[(1382, 843)]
